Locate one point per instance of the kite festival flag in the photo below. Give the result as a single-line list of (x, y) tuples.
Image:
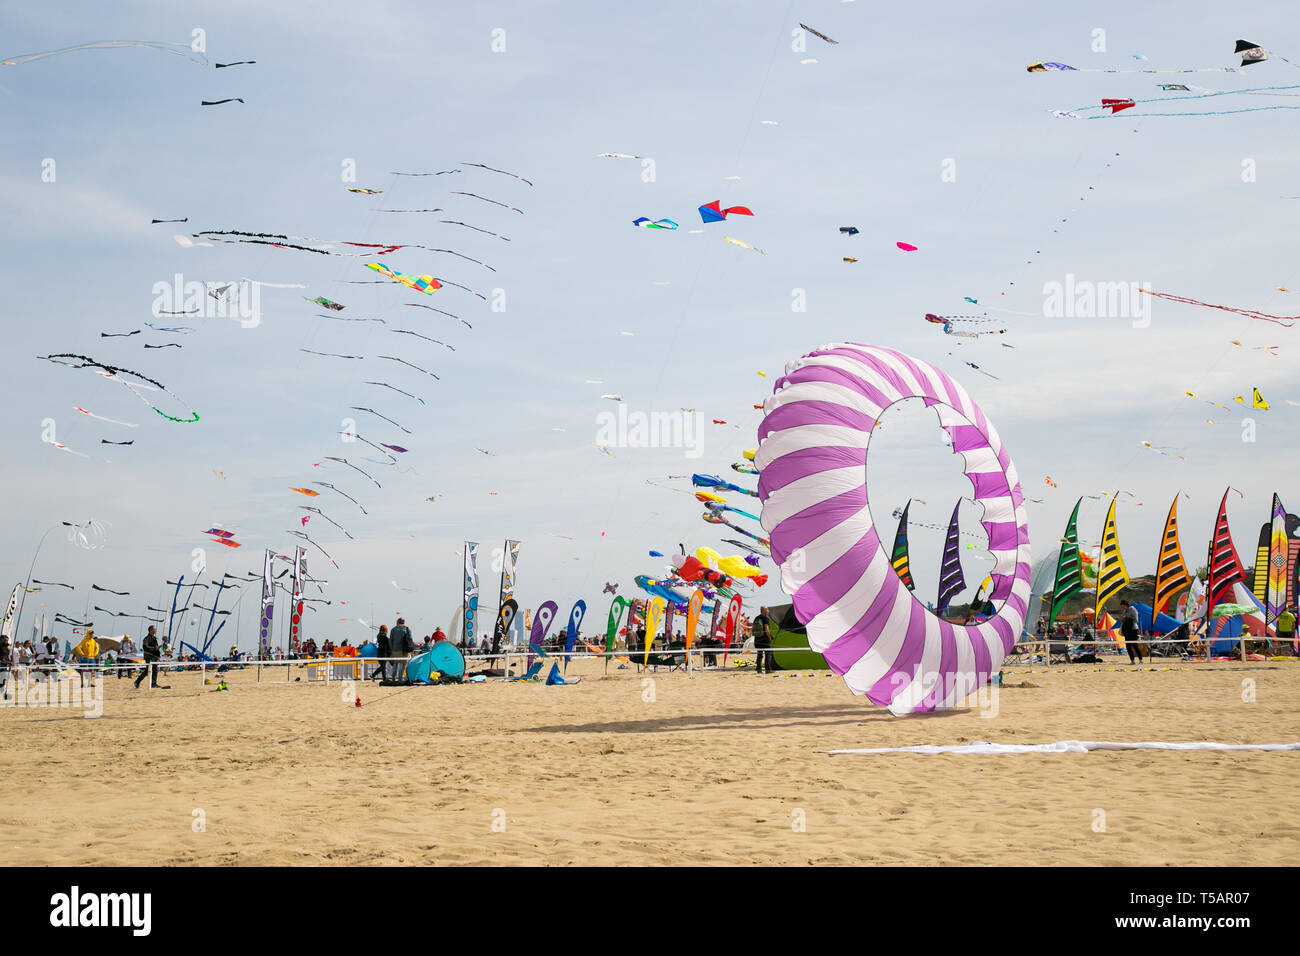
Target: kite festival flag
[(470, 602), (1068, 579), (1171, 572), (295, 608), (268, 604), (899, 557), (508, 559), (1112, 576), (1224, 566), (951, 580)]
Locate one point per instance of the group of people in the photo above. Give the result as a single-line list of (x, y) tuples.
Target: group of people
[(394, 647), (86, 657)]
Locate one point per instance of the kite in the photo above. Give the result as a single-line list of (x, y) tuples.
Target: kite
[(232, 99), (441, 172), (1174, 87), (906, 246), (735, 242), (849, 259), (610, 588), (326, 517), (169, 345), (425, 284), (163, 46), (111, 421), (178, 329), (713, 481), (438, 209), (713, 211), (1048, 480), (105, 441), (1251, 53), (617, 156), (713, 517), (306, 491), (484, 451), (421, 305), (603, 450), (228, 544), (397, 448), (848, 230), (156, 221), (744, 468), (115, 373), (485, 199), (645, 223), (457, 222), (819, 35), (96, 587), (364, 191), (220, 533), (1160, 451), (314, 545), (280, 241), (358, 408), (1049, 67), (398, 390), (981, 371), (326, 484), (857, 612), (118, 335), (325, 303), (53, 584), (222, 66), (425, 337), (613, 398), (1286, 321), (331, 354), (344, 461), (1257, 401), (501, 171), (1115, 105)]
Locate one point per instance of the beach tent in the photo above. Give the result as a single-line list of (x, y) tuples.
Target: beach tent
[(787, 632), (443, 658), (1164, 624)]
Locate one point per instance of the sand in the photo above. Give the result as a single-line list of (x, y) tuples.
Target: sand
[(710, 768)]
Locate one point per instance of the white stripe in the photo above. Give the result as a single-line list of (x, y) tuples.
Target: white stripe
[(811, 489)]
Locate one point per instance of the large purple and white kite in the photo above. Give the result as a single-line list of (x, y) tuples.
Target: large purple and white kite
[(812, 458)]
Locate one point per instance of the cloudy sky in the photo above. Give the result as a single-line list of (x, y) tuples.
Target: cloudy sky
[(921, 125)]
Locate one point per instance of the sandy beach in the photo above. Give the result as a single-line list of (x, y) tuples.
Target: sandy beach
[(706, 768)]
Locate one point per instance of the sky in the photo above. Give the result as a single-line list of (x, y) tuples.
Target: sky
[(921, 125)]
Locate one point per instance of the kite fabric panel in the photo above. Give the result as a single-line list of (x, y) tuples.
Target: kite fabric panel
[(1112, 576), (1171, 571), (812, 461)]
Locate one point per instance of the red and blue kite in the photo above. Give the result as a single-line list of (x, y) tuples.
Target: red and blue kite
[(712, 212)]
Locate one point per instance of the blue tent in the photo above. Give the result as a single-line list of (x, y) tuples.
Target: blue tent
[(1164, 623), (444, 658)]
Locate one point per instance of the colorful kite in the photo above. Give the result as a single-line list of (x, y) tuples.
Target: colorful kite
[(713, 211), (645, 223), (425, 284)]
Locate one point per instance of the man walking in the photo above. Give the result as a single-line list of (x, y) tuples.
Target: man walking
[(760, 627), (1128, 627), (149, 648), (1286, 626)]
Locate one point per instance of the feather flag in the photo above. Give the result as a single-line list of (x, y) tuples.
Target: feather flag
[(1068, 579), (1171, 572), (1225, 566), (1112, 576), (951, 581), (899, 557), (1275, 596)]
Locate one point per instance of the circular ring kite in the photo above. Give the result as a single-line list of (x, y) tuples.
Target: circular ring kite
[(812, 457)]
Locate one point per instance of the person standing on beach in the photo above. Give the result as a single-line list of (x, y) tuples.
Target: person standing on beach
[(1128, 626), (383, 649), (760, 627), (1286, 626), (149, 648), (400, 638)]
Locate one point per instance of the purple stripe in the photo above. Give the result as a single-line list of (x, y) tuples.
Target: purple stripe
[(836, 376), (967, 438), (947, 663), (1002, 535), (807, 461), (827, 588), (806, 526), (851, 646), (989, 484), (814, 412), (908, 659)]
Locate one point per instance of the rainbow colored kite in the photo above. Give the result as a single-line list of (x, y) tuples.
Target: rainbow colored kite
[(425, 284)]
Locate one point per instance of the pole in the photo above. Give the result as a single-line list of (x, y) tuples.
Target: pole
[(22, 600)]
